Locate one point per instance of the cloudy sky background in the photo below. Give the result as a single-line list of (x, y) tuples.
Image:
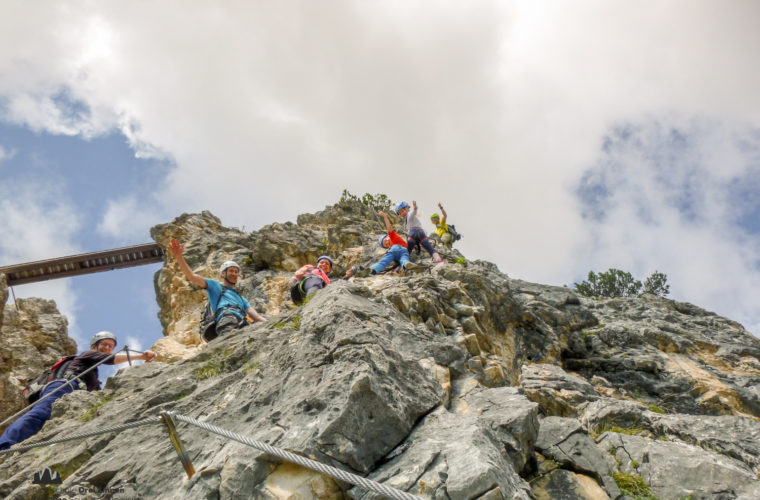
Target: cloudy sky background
[(561, 136)]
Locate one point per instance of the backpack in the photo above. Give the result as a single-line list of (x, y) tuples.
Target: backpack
[(297, 293), (455, 236), (33, 391), (208, 323)]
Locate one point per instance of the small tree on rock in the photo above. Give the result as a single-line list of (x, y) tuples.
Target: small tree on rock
[(617, 283), (657, 283)]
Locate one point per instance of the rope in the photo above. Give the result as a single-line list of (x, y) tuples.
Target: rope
[(68, 382), (116, 428), (303, 462)]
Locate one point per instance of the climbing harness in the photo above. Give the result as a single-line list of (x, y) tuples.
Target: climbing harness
[(35, 387), (168, 419), (210, 317)]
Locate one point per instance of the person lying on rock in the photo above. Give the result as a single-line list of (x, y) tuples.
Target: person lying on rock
[(229, 308), (101, 346), (308, 279), (416, 235), (396, 250)]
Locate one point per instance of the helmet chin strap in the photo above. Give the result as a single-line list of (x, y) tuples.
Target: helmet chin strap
[(226, 280)]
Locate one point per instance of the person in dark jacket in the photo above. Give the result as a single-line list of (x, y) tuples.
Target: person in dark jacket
[(101, 346)]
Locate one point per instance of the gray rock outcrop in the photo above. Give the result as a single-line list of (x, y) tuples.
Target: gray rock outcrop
[(33, 337), (453, 382)]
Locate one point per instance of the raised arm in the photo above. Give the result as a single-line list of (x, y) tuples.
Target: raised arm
[(414, 208), (177, 250), (443, 213), (302, 271), (388, 226)]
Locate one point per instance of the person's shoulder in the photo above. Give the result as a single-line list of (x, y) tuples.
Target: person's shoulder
[(91, 354)]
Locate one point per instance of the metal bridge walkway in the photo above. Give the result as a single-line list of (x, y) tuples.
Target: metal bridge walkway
[(85, 263)]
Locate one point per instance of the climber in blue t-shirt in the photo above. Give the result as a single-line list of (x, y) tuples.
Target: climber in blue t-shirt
[(230, 309)]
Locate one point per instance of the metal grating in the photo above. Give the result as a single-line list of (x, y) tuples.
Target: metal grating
[(86, 263)]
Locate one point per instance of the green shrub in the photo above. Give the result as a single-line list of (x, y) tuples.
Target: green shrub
[(617, 283), (375, 202)]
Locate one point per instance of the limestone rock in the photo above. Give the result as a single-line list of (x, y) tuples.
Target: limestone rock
[(566, 485), (734, 437), (460, 453), (563, 440), (557, 392), (34, 337), (455, 381), (677, 470)]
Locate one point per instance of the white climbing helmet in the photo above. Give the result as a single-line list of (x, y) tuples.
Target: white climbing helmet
[(103, 335), (229, 263)]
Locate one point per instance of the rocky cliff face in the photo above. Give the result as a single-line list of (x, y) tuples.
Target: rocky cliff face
[(453, 382), (34, 336)]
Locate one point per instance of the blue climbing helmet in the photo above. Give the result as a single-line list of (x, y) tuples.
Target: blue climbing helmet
[(327, 258), (381, 240), (401, 205)]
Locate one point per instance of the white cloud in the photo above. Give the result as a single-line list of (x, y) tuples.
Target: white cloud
[(129, 219), (660, 198), (36, 224), (6, 154), (497, 110)]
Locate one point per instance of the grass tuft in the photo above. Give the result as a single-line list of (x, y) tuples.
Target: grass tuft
[(210, 369), (90, 414), (633, 486)]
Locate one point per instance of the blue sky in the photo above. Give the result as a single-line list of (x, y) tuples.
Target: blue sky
[(561, 137)]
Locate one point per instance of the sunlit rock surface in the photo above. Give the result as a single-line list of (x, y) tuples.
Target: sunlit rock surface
[(34, 336)]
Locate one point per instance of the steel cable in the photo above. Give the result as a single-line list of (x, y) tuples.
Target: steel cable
[(303, 461), (115, 428)]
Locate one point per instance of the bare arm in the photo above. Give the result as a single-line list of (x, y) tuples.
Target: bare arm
[(302, 272), (443, 213), (177, 251), (388, 226), (122, 357), (256, 317)]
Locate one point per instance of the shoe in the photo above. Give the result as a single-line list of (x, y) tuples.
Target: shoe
[(439, 261), (410, 266)]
